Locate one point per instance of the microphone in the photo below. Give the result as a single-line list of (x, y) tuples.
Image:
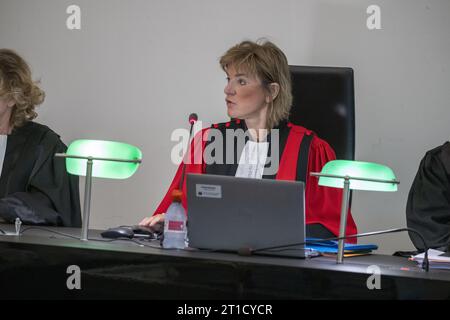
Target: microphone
[(245, 251), (192, 120)]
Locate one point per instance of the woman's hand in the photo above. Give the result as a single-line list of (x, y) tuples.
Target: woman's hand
[(156, 222)]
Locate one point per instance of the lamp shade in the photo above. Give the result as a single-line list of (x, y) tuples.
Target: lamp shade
[(103, 149), (357, 172)]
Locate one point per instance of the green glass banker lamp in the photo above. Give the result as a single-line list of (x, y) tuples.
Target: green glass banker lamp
[(100, 159), (355, 175)]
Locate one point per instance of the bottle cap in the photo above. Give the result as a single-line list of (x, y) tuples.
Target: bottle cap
[(177, 195)]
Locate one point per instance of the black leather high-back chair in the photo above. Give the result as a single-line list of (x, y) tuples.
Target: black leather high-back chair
[(324, 102)]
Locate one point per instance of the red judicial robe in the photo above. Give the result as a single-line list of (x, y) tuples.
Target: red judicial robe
[(323, 204)]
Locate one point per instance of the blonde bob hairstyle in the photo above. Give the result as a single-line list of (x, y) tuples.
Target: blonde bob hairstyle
[(265, 61), (16, 85)]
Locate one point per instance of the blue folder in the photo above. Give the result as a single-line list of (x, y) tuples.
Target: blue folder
[(331, 246)]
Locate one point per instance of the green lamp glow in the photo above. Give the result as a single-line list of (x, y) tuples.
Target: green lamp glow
[(363, 175), (356, 175), (115, 169), (100, 159)]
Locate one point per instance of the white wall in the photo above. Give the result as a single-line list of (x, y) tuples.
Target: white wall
[(137, 68)]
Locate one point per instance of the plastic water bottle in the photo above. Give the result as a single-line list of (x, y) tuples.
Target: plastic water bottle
[(175, 230)]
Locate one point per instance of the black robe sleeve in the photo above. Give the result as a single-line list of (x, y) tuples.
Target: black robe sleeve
[(428, 206), (51, 195)]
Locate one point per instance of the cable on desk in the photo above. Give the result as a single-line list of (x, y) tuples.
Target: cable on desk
[(249, 251), (90, 239), (48, 230), (425, 264), (140, 243)]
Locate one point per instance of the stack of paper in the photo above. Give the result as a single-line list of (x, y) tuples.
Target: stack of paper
[(437, 259), (331, 247)]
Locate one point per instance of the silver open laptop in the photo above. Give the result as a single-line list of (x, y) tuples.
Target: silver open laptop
[(232, 214)]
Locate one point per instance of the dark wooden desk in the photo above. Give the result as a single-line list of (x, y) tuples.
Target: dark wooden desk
[(34, 265)]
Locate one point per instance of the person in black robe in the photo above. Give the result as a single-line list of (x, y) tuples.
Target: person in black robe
[(428, 207), (34, 185)]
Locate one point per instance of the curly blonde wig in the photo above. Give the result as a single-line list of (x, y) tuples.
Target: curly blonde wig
[(16, 85)]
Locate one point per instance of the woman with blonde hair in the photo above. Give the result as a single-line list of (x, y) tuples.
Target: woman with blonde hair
[(34, 186), (258, 100)]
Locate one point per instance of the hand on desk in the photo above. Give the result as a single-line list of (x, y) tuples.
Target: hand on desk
[(156, 222)]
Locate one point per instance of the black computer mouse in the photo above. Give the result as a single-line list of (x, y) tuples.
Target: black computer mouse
[(141, 231), (119, 232)]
